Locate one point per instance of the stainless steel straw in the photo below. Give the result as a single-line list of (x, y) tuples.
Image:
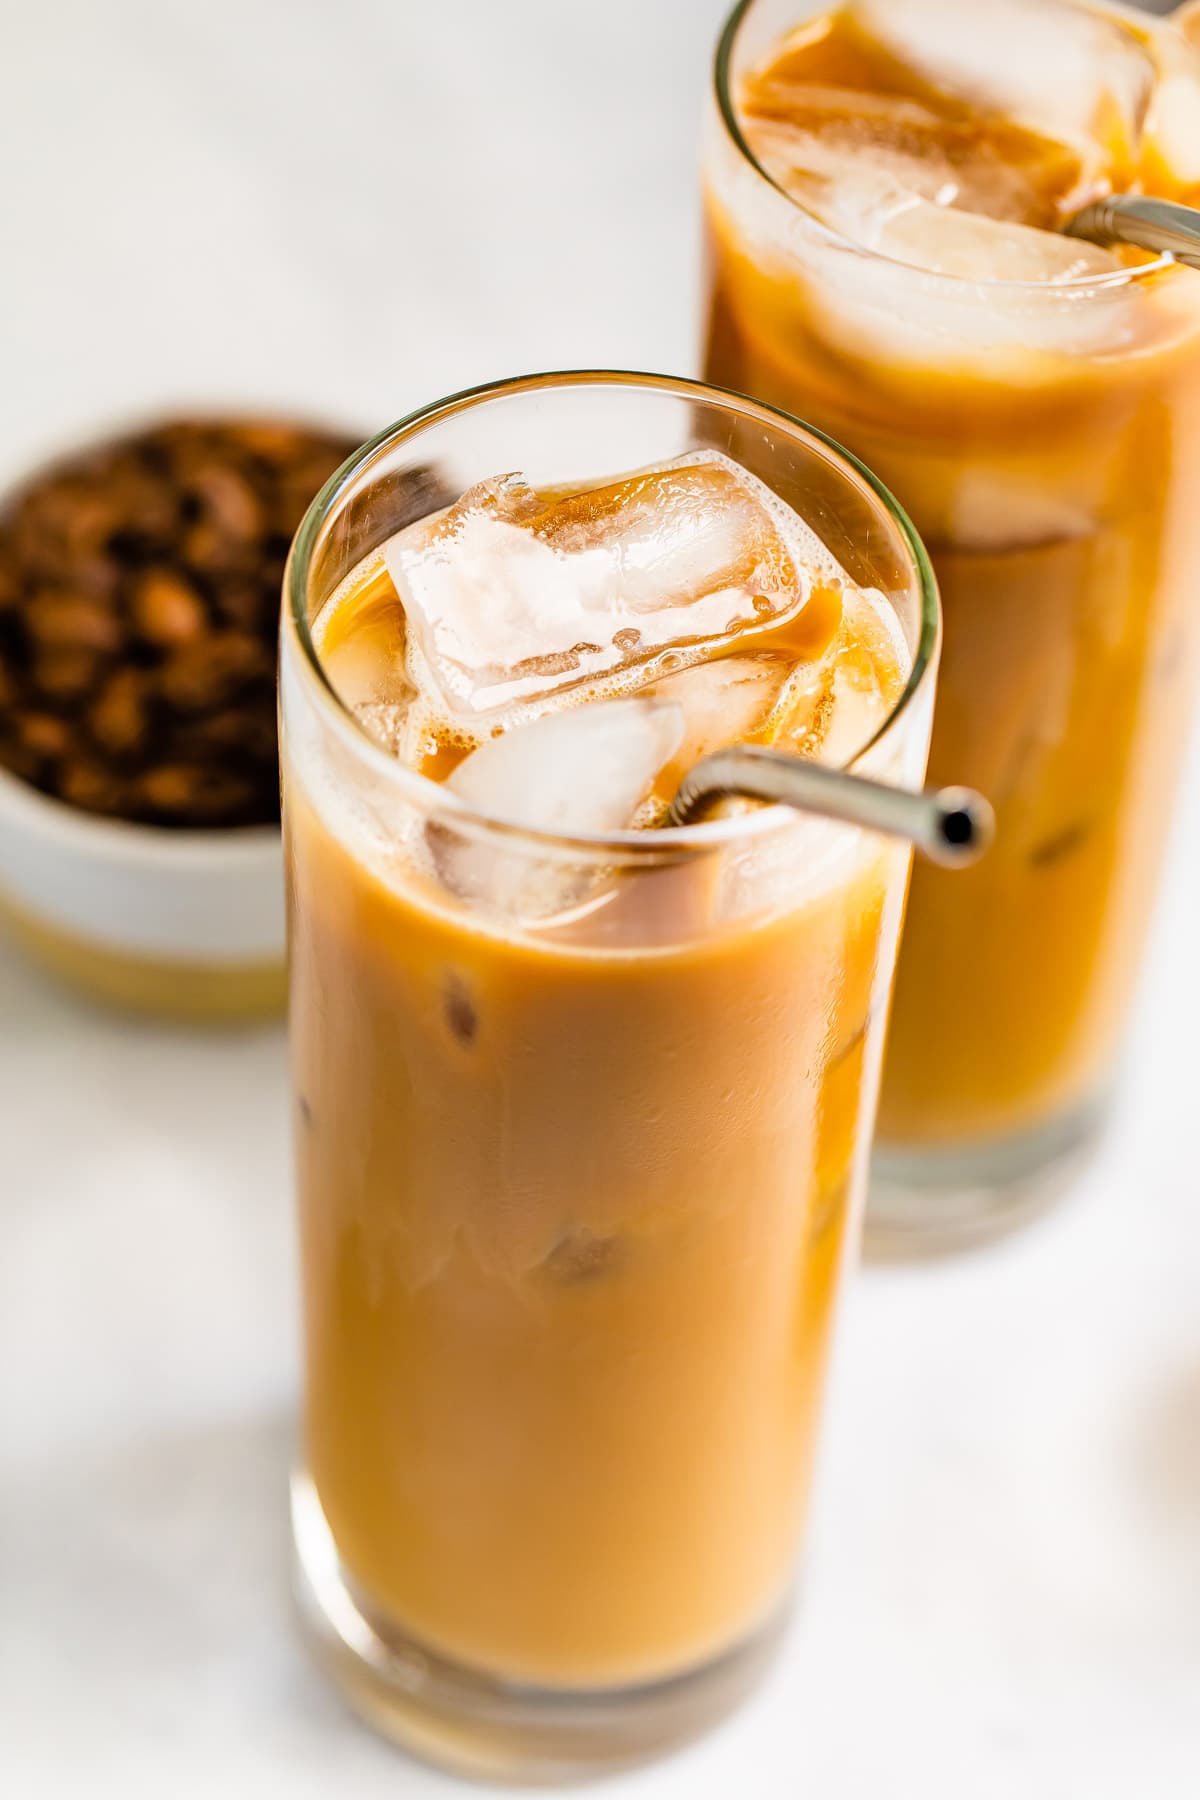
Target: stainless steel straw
[(950, 825), (1159, 225)]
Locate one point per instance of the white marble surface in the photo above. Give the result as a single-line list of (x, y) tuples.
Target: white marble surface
[(351, 209)]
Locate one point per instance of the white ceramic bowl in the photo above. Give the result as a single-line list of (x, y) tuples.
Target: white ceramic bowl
[(187, 924)]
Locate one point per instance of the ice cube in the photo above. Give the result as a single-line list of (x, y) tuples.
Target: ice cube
[(1171, 155), (832, 706), (362, 646), (895, 222), (977, 164), (994, 508), (584, 769), (1066, 70), (1171, 144), (827, 705), (514, 596), (854, 713), (730, 701), (385, 722)]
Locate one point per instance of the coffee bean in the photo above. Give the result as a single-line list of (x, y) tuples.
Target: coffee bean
[(235, 730), (87, 525), (64, 675), (86, 783), (208, 673), (167, 610), (43, 733), (229, 503), (247, 603), (20, 760), (119, 718), (67, 621), (170, 788)]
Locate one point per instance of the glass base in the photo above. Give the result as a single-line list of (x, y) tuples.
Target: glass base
[(934, 1201), (476, 1725)]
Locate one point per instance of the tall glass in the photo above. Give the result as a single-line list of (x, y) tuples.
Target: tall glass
[(573, 1198), (1046, 440)]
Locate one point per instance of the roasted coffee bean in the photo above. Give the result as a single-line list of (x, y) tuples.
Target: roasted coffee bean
[(64, 675), (88, 526), (139, 605), (237, 730), (171, 787), (248, 604), (45, 734), (119, 719), (208, 550), (167, 610), (193, 791), (10, 585), (147, 509), (229, 503), (68, 621), (208, 673), (20, 760), (90, 785)]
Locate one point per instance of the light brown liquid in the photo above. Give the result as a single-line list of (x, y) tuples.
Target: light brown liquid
[(573, 1202), (1051, 460)]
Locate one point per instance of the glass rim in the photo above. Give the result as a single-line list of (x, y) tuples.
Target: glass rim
[(435, 797), (1072, 290)]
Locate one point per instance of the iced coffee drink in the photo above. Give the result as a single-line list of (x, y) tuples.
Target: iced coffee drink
[(583, 1101), (885, 186)]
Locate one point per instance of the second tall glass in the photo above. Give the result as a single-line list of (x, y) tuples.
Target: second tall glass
[(1046, 439)]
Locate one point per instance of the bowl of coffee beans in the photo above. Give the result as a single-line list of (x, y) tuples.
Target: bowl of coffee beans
[(139, 781)]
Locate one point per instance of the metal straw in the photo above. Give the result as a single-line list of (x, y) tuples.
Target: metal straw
[(1158, 225), (951, 825)]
